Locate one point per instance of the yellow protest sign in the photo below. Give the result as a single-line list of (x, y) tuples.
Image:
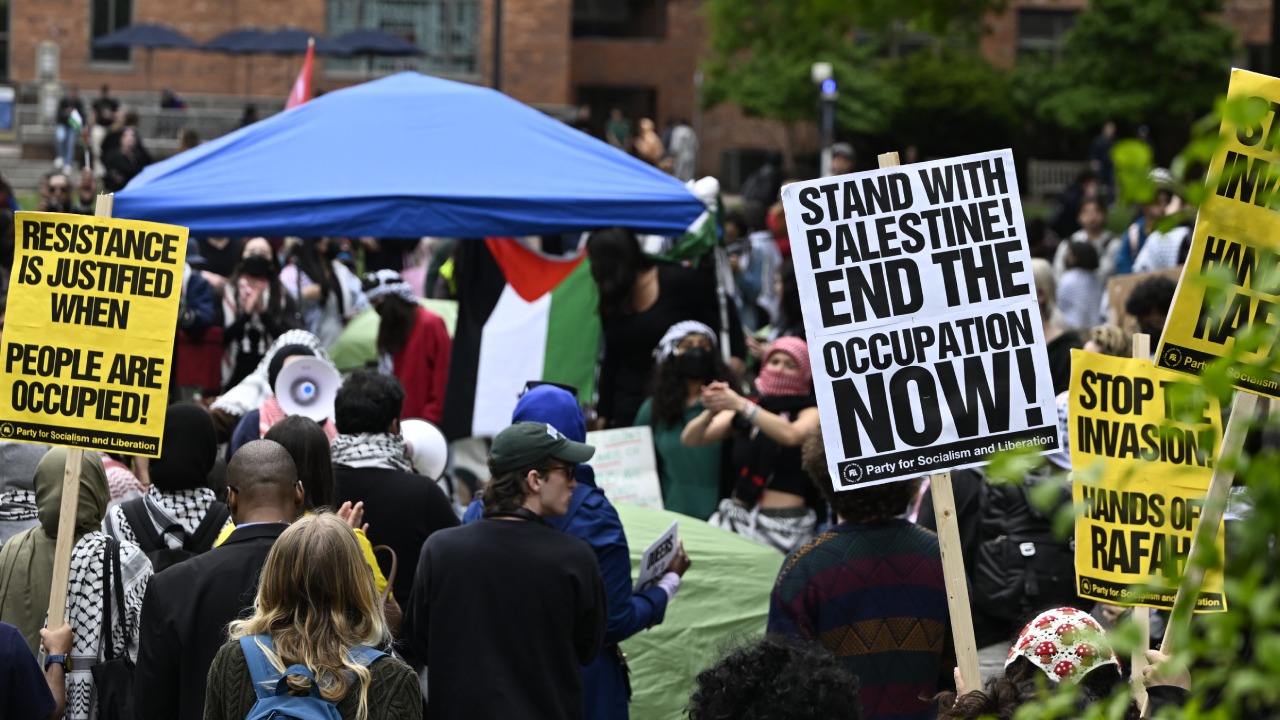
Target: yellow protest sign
[(88, 342), (1228, 299), (1142, 459)]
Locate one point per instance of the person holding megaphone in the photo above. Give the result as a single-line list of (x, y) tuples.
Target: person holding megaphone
[(302, 384)]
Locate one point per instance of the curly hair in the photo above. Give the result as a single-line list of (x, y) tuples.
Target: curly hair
[(774, 678), (1022, 683), (875, 504), (504, 492), (668, 390), (1112, 340)]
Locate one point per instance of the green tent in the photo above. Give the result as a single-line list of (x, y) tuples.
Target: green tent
[(724, 596), (356, 347)]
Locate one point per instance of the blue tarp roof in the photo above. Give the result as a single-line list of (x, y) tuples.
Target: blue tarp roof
[(406, 156)]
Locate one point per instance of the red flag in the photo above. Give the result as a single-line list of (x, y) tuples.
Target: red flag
[(301, 91)]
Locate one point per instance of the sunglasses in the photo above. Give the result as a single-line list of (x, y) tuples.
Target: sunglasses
[(535, 383)]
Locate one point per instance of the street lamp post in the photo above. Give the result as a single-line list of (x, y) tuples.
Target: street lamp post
[(822, 75)]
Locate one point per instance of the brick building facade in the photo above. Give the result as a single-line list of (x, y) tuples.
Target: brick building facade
[(640, 55)]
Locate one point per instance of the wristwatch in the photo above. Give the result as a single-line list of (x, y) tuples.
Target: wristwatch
[(63, 660)]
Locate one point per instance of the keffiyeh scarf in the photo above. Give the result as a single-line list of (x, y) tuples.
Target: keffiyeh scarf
[(185, 508), (18, 505), (371, 450)]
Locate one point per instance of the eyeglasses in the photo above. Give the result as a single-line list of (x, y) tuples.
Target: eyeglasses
[(569, 470), (59, 188), (535, 383)]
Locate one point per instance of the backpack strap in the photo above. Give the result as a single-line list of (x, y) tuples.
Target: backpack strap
[(144, 530), (261, 672), (365, 655), (207, 531)]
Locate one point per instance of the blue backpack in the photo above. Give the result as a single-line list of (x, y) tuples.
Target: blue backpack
[(274, 701)]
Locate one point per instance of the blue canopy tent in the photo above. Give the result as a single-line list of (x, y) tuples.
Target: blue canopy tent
[(405, 156)]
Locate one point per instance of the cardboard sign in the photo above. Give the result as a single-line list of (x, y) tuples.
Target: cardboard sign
[(1142, 462), (92, 316), (626, 467), (657, 557), (1230, 286), (924, 330)]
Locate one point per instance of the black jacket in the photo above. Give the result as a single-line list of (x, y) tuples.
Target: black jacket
[(402, 510), (184, 621), (516, 604)]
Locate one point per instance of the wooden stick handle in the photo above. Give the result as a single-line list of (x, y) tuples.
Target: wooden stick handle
[(944, 510), (66, 538), (1215, 505), (70, 502)]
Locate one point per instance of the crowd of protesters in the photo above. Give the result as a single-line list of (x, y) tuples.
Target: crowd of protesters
[(325, 554)]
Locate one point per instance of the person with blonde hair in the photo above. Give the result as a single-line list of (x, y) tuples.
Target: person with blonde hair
[(1059, 340), (316, 608)]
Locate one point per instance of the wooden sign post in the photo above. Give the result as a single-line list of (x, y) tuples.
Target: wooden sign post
[(1243, 408), (944, 509), (70, 502)]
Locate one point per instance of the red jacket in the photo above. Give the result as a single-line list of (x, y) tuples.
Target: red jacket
[(422, 366)]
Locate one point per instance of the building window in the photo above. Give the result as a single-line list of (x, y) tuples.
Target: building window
[(620, 18), (448, 31), (1040, 32), (4, 39), (108, 17)]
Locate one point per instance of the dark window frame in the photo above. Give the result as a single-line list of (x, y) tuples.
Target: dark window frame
[(106, 17)]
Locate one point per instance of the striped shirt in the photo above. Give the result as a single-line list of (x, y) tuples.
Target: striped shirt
[(874, 596)]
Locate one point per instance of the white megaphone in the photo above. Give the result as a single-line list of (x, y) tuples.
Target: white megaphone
[(307, 386), (427, 447)]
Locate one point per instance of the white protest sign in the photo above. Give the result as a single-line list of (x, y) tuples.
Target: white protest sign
[(923, 326), (625, 466), (657, 557)]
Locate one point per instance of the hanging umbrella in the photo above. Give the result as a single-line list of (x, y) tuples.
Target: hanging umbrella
[(236, 42), (286, 41), (145, 35), (376, 42), (406, 156)]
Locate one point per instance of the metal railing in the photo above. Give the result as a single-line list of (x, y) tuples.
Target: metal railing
[(155, 124)]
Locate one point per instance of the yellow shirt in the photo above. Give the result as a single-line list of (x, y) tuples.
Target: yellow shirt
[(366, 549)]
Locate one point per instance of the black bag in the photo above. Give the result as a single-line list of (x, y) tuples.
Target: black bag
[(153, 544), (113, 678), (1021, 566)]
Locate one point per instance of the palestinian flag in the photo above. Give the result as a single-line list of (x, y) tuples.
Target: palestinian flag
[(521, 316)]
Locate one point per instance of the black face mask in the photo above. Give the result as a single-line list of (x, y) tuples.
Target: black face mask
[(257, 266), (695, 363)]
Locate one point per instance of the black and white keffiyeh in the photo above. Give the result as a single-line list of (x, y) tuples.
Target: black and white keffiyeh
[(387, 282), (371, 450), (186, 508), (18, 505), (85, 598), (667, 345)]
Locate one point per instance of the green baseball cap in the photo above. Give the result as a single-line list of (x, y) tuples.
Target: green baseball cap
[(524, 444)]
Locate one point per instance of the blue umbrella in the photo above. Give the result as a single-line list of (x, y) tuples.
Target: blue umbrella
[(286, 41), (236, 42), (145, 35), (406, 156), (376, 42)]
